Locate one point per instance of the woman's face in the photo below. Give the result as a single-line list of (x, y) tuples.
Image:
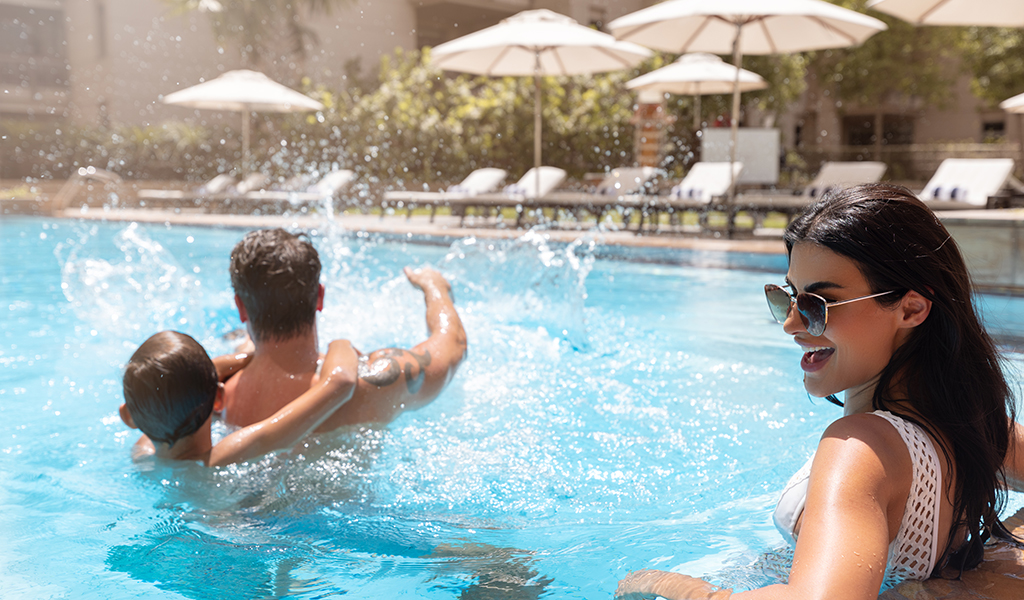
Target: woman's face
[(860, 337)]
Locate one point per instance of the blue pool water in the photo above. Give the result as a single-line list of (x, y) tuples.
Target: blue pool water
[(610, 416)]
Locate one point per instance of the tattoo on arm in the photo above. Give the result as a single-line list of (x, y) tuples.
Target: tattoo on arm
[(386, 369), (383, 372)]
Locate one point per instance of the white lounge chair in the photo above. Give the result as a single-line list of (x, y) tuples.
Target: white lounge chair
[(968, 182), (328, 186), (537, 183), (843, 174), (706, 181), (480, 181), (221, 184)]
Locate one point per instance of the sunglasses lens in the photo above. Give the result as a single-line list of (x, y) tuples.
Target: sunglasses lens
[(812, 313), (778, 301)]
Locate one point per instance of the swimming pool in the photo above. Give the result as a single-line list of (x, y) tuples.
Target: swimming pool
[(610, 416)]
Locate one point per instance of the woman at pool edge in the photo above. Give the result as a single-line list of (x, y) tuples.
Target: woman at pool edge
[(910, 480)]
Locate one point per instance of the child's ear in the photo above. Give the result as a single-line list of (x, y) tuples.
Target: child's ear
[(320, 298), (218, 401), (126, 416)]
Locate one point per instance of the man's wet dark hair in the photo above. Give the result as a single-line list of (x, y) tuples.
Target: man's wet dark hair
[(170, 385), (948, 369), (277, 276)]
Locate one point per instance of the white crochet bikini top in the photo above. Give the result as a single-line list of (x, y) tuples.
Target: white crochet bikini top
[(914, 552)]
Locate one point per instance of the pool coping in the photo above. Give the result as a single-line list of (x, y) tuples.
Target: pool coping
[(763, 253)]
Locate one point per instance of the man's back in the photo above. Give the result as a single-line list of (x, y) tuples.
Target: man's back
[(391, 380), (279, 372)]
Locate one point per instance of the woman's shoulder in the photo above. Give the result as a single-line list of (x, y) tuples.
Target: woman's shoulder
[(865, 442)]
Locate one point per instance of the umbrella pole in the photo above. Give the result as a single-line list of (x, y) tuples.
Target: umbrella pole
[(536, 126), (245, 140), (696, 110), (737, 59)]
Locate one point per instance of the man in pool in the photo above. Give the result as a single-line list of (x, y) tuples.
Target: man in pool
[(276, 278), (170, 386)]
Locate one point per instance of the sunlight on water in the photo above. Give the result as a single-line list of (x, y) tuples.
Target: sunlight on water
[(610, 416)]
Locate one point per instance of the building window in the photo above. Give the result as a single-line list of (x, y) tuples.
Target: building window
[(32, 47), (993, 131), (859, 130)]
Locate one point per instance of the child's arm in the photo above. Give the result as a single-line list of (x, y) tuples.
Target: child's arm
[(229, 364), (300, 417)]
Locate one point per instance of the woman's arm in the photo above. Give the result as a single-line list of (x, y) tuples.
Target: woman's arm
[(300, 417), (859, 484)]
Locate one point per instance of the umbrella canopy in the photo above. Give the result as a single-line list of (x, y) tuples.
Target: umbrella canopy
[(537, 43), (745, 26), (1013, 105), (243, 91), (991, 13), (697, 74)]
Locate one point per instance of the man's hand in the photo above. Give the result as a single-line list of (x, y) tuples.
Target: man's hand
[(425, 278)]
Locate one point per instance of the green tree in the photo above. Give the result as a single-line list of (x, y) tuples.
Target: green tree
[(995, 58), (905, 65)]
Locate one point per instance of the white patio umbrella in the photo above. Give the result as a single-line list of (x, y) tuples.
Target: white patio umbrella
[(697, 74), (991, 13), (246, 92), (745, 27), (538, 43), (1013, 105)]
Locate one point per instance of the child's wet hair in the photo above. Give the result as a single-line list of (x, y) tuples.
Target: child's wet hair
[(170, 385)]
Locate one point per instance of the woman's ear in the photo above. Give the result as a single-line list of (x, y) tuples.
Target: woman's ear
[(915, 309), (126, 416)]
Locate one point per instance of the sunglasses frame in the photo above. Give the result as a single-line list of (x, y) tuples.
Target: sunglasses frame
[(805, 319)]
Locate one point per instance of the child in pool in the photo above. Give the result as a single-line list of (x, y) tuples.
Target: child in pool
[(171, 385), (910, 479)]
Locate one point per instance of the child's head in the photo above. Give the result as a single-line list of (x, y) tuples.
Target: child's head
[(276, 275), (170, 385)]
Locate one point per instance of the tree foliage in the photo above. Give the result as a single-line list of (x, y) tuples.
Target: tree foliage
[(261, 30), (995, 58), (420, 124), (908, 65)]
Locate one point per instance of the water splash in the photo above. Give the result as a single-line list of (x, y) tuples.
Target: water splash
[(138, 290), (526, 281)]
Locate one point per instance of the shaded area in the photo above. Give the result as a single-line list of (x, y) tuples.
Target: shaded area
[(999, 577)]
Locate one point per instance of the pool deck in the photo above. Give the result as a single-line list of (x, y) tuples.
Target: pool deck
[(443, 228)]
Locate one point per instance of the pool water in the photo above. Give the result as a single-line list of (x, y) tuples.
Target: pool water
[(610, 416)]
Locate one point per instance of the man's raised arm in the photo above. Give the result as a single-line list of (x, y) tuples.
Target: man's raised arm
[(393, 380)]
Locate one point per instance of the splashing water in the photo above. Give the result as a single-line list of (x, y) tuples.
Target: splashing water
[(610, 416), (526, 282), (142, 289)]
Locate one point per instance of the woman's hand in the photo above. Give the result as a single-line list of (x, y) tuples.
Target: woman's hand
[(649, 583)]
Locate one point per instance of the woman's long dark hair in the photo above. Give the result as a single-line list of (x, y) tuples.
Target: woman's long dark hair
[(948, 367)]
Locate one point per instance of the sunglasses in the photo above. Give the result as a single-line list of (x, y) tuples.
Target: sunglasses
[(812, 308)]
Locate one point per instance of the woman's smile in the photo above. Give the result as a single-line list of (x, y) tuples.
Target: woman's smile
[(816, 358)]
